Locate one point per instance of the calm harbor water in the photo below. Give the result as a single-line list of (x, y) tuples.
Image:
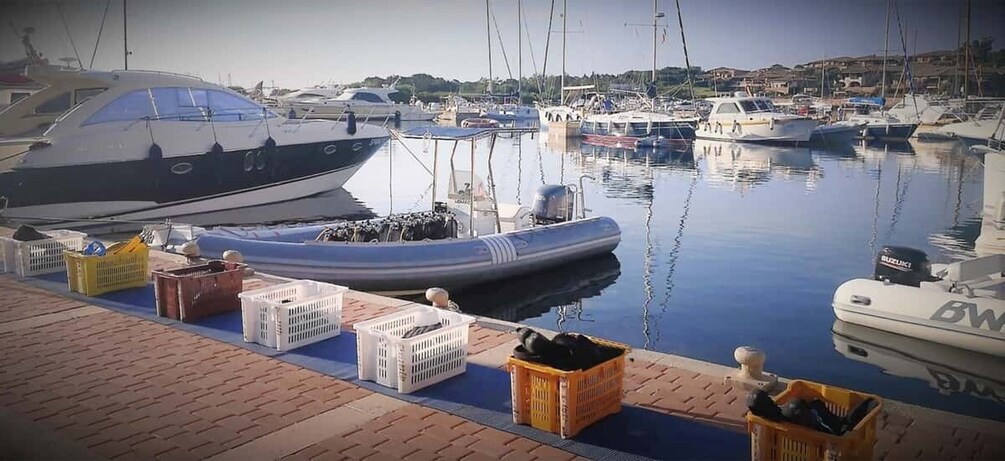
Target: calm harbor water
[(733, 244)]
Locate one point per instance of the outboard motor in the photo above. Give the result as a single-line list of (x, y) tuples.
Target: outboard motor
[(903, 266), (553, 204)]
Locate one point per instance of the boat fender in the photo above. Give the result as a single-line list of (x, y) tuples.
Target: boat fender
[(270, 143), (155, 154), (736, 126), (216, 157), (397, 119), (718, 127), (771, 124), (351, 123)]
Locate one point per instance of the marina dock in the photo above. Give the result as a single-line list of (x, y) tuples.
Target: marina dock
[(94, 378)]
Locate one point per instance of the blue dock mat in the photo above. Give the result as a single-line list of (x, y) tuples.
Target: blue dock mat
[(481, 394)]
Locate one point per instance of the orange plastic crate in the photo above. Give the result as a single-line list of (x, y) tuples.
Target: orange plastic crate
[(566, 402), (770, 440)]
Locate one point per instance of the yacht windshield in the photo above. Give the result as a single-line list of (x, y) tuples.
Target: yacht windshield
[(765, 106), (180, 104), (368, 97)]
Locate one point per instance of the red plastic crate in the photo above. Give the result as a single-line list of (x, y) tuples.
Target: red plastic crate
[(191, 293)]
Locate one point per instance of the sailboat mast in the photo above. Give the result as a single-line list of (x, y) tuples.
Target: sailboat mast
[(823, 75), (683, 41), (488, 35), (966, 65), (565, 14), (655, 12), (886, 51), (125, 38), (519, 52)]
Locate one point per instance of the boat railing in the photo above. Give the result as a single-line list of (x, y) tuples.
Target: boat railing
[(159, 72)]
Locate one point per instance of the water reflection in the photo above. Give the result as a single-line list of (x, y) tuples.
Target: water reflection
[(946, 369), (628, 173), (563, 288), (333, 204), (741, 166)]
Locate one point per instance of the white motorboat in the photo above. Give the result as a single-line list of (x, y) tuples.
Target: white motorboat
[(511, 112), (977, 130), (149, 145), (961, 305), (366, 103), (884, 127), (311, 93), (752, 119), (631, 128)]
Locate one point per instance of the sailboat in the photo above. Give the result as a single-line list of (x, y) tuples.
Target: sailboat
[(509, 111), (645, 127), (572, 99), (883, 125)]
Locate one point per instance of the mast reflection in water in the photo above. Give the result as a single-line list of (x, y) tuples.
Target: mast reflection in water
[(726, 244)]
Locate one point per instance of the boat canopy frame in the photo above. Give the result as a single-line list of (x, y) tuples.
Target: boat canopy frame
[(457, 134)]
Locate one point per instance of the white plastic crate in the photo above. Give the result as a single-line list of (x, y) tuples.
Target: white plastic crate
[(39, 256), (293, 314), (410, 364)]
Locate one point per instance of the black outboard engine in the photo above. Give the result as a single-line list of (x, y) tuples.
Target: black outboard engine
[(903, 266), (553, 204)]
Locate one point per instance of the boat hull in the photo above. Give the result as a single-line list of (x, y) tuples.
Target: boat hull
[(780, 131), (890, 131), (835, 134), (396, 267), (333, 110), (942, 317), (153, 189)]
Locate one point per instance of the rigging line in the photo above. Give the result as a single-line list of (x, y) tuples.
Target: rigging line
[(687, 61), (906, 71), (547, 45), (402, 142), (501, 46), (70, 37), (421, 198), (100, 29), (390, 178), (530, 47)]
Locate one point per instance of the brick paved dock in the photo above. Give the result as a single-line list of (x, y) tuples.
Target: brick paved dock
[(81, 381)]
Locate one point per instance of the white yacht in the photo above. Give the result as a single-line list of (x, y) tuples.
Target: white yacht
[(140, 145), (366, 103), (753, 119), (311, 93)]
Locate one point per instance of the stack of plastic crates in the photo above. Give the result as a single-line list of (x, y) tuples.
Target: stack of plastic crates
[(566, 402), (410, 364), (39, 257), (292, 314), (124, 265), (771, 440)]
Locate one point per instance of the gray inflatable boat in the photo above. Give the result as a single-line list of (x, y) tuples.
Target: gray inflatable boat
[(410, 266)]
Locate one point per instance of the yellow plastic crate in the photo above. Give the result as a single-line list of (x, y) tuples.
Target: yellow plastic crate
[(123, 266), (770, 440), (566, 402)]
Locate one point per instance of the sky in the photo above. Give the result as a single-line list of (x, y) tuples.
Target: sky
[(295, 43)]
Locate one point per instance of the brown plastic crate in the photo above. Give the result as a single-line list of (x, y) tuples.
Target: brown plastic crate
[(191, 293)]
